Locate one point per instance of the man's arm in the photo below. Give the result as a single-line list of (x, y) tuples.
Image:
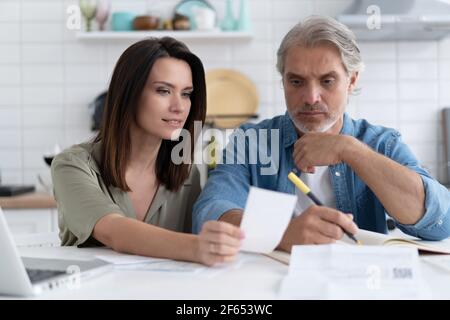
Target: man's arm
[(317, 225), (232, 216), (398, 188), (227, 186), (419, 203)]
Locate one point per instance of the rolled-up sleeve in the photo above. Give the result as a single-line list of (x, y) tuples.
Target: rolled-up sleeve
[(435, 223), (80, 200)]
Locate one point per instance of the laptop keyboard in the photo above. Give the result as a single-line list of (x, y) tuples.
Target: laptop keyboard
[(37, 275)]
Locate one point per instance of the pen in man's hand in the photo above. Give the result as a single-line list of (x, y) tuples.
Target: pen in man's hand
[(307, 191)]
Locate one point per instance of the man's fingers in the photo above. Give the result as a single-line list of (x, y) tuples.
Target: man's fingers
[(330, 230), (299, 162), (340, 219), (322, 239), (311, 169)]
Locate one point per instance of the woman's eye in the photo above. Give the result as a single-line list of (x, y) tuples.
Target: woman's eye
[(163, 91), (187, 94)]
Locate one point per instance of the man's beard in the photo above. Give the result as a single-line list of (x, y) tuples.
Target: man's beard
[(323, 127)]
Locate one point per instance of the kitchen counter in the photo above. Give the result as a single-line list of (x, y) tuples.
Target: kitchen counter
[(35, 200)]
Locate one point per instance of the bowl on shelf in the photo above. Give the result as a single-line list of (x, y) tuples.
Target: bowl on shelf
[(122, 21), (181, 22), (146, 23)]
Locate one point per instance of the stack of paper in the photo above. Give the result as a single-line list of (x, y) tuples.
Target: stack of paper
[(353, 272)]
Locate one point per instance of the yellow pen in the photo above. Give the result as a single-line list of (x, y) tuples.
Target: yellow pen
[(307, 191)]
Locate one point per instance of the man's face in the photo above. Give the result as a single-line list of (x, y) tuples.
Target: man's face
[(316, 88)]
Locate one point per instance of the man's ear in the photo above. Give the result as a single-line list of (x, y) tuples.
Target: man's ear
[(353, 80)]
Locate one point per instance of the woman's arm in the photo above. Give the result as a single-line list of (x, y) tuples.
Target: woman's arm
[(217, 243), (88, 212)]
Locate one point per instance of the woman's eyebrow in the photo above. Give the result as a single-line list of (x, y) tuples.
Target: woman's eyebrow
[(164, 83), (171, 85)]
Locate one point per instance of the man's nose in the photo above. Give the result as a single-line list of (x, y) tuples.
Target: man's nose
[(311, 95)]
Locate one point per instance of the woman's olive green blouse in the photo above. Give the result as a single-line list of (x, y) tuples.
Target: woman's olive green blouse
[(83, 198)]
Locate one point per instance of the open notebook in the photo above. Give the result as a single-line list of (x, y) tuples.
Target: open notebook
[(370, 238)]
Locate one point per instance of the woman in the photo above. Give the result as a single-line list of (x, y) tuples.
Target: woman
[(122, 190)]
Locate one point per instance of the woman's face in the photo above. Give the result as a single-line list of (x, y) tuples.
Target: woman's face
[(165, 101)]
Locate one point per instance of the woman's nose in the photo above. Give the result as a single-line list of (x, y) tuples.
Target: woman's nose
[(176, 105)]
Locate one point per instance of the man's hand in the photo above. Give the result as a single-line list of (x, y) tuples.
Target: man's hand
[(319, 149), (317, 225), (218, 242)]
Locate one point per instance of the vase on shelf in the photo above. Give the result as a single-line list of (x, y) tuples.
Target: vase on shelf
[(228, 23), (243, 22), (102, 13), (88, 9)]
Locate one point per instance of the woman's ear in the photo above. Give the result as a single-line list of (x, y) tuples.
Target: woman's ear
[(353, 80)]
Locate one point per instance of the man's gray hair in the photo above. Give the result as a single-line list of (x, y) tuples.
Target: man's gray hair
[(316, 30)]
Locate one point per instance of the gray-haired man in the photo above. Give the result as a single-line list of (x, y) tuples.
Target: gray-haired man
[(360, 171)]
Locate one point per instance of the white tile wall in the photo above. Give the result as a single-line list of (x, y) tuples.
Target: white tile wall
[(48, 77)]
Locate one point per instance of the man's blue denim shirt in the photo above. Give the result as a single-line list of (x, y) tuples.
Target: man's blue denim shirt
[(228, 184)]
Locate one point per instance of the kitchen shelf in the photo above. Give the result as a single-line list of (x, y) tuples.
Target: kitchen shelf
[(181, 35)]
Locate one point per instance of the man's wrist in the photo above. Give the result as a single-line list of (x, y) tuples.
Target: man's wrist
[(351, 149)]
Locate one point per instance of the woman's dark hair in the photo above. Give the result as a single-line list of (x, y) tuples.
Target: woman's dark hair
[(127, 83)]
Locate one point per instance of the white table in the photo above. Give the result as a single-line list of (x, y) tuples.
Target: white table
[(257, 277)]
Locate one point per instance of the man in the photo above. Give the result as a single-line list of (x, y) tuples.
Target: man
[(360, 171)]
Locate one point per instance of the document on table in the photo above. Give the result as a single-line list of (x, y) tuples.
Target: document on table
[(184, 267), (438, 261), (266, 217), (117, 258), (353, 272)]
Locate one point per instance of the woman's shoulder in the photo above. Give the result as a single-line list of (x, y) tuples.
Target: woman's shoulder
[(79, 155)]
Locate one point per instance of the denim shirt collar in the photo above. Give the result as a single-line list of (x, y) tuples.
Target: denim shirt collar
[(348, 127), (290, 134)]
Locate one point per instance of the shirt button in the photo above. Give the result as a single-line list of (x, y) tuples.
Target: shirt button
[(439, 221), (337, 174)]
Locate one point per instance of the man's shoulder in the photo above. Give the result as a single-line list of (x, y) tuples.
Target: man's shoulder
[(271, 123), (372, 133)]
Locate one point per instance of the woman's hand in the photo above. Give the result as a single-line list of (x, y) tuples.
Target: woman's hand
[(218, 242)]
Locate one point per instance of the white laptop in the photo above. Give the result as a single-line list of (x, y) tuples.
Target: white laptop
[(32, 276)]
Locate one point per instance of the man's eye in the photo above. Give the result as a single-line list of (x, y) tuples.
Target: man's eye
[(328, 82), (296, 82)]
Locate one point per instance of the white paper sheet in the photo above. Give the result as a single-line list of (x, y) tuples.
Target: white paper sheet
[(266, 217), (118, 258), (438, 261), (353, 272), (184, 267)]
